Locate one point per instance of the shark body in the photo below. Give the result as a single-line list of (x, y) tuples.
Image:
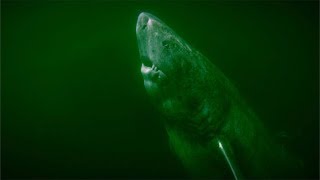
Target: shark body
[(210, 128)]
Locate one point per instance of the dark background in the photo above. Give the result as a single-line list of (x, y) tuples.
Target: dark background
[(73, 101)]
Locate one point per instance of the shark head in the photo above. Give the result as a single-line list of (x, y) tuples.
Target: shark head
[(161, 51), (181, 82)]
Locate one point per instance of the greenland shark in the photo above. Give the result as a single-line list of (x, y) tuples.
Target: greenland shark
[(210, 128)]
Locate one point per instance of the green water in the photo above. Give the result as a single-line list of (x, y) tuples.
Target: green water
[(73, 101)]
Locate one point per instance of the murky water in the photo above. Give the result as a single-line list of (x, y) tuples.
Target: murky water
[(73, 101)]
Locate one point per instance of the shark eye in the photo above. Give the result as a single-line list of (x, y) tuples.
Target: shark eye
[(165, 43)]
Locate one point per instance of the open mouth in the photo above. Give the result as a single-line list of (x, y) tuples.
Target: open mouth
[(150, 71), (148, 65)]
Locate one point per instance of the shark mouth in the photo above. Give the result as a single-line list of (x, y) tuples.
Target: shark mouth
[(148, 65), (147, 62), (151, 72)]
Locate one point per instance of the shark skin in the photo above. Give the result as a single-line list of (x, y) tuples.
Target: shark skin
[(210, 127)]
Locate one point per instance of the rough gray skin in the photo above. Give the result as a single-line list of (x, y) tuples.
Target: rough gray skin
[(202, 109)]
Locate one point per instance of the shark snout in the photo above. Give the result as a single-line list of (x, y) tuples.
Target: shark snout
[(145, 21), (142, 21), (151, 33)]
